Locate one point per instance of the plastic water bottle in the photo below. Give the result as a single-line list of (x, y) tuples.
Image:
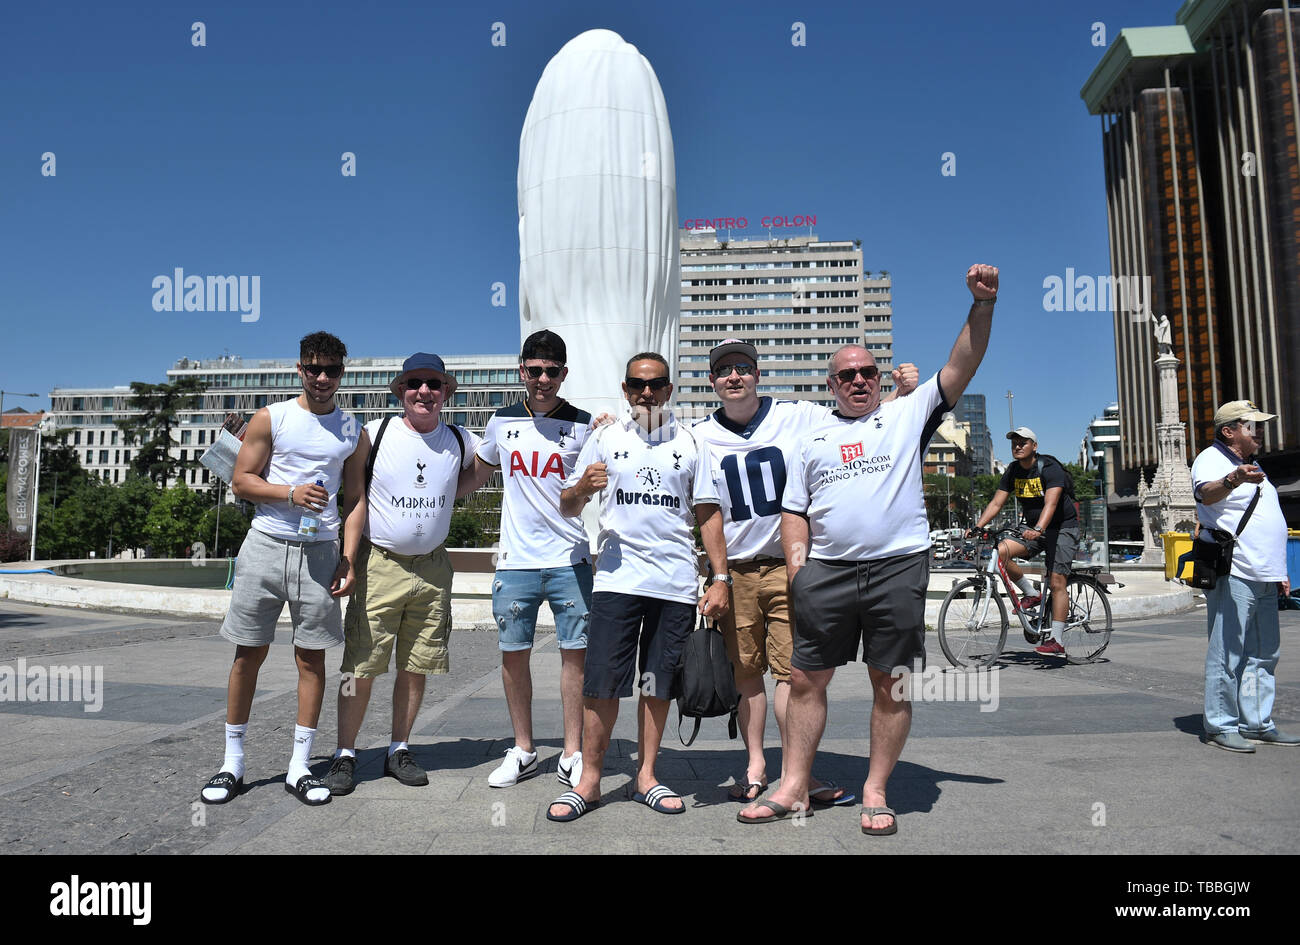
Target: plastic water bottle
[(309, 524)]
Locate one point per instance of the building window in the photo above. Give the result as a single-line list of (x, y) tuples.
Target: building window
[(115, 475), (185, 436), (103, 457), (205, 477), (202, 434)]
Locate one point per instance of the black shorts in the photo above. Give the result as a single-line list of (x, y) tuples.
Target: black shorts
[(882, 603), (617, 620)]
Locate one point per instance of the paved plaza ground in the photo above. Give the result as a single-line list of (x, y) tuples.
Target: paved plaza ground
[(1102, 758)]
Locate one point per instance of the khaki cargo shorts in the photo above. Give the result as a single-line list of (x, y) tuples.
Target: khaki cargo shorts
[(757, 627), (402, 601)]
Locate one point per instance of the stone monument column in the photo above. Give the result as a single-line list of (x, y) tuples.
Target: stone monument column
[(1167, 503)]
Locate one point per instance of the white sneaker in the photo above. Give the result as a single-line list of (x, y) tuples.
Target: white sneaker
[(518, 766), (571, 773)]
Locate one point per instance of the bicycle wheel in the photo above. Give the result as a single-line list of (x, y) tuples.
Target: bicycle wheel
[(971, 633), (1087, 628)]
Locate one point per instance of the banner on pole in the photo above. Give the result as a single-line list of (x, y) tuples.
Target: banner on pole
[(22, 480)]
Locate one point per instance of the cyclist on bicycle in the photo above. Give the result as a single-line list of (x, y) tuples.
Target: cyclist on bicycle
[(1051, 523)]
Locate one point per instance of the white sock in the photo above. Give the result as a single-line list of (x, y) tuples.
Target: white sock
[(234, 760), (345, 753), (395, 747), (1026, 586), (1058, 631), (302, 739)]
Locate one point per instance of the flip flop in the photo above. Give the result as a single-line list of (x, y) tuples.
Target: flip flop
[(225, 781), (761, 786), (879, 831), (576, 801), (779, 812), (844, 800), (308, 782), (655, 797)]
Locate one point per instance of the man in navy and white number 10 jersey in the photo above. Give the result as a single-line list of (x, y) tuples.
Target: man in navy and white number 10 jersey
[(753, 440), (856, 538), (542, 555)]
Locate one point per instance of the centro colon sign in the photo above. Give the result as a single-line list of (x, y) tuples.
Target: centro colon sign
[(740, 223)]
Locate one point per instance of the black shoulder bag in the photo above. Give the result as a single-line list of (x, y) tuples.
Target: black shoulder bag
[(706, 685), (1213, 559)]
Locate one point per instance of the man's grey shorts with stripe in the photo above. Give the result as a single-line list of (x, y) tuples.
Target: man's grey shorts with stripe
[(881, 603), (271, 572)]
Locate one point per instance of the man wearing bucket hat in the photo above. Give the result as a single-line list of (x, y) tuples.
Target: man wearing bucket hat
[(1241, 608), (403, 591)]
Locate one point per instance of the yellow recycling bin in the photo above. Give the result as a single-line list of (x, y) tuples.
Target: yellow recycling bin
[(1176, 544)]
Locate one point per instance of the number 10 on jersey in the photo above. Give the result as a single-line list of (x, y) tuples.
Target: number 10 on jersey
[(763, 501)]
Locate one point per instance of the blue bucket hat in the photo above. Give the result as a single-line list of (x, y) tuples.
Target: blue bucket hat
[(423, 362)]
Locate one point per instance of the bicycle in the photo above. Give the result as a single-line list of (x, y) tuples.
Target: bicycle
[(970, 636)]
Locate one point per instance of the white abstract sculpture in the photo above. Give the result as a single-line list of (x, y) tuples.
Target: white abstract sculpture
[(598, 238)]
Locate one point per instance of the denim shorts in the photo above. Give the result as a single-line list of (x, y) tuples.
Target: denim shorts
[(517, 595)]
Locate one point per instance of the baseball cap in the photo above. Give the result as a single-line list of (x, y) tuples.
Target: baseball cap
[(544, 340), (421, 361), (731, 346), (1025, 432), (1235, 410)]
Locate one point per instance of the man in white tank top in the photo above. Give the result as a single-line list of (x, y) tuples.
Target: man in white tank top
[(295, 457), (403, 591)]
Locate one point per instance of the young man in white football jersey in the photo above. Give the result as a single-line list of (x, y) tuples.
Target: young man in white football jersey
[(543, 555), (753, 440), (652, 474), (856, 541), (403, 593)]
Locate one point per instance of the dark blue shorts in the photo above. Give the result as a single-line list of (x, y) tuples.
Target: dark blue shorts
[(625, 626)]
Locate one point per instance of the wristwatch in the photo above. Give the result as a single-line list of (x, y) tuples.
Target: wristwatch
[(1227, 481), (721, 579)]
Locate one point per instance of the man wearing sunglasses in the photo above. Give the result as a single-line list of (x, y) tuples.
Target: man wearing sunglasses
[(403, 593), (857, 549), (1244, 634), (752, 441), (295, 456), (543, 555), (1046, 493), (656, 482)]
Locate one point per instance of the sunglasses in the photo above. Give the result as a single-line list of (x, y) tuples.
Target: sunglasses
[(315, 370), (635, 385), (415, 383), (869, 373), (536, 372), (743, 369)]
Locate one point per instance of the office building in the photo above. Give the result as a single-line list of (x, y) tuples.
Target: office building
[(1199, 139), (87, 417), (971, 410), (796, 300)]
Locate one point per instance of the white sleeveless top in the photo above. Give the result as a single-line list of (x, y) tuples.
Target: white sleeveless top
[(306, 447)]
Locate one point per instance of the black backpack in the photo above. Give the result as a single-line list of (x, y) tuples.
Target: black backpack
[(1069, 480), (706, 685)]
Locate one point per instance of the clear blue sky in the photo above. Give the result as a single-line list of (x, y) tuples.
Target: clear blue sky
[(226, 160)]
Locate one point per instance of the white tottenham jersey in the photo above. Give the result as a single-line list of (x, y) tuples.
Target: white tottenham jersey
[(749, 465), (535, 454), (414, 486), (645, 546), (858, 480)]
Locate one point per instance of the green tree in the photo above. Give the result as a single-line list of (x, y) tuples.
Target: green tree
[(465, 531), (234, 527), (173, 524), (1085, 482), (159, 408)]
